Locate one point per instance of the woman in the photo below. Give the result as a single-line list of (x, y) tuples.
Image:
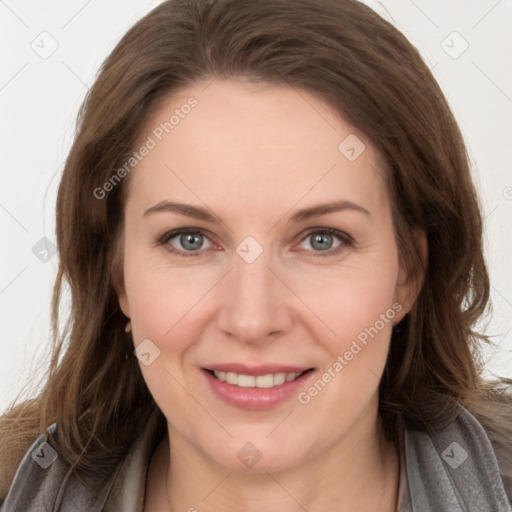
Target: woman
[(271, 203)]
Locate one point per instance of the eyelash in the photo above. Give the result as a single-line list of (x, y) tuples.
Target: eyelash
[(347, 241)]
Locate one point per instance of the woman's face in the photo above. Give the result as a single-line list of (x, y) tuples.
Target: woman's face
[(284, 279)]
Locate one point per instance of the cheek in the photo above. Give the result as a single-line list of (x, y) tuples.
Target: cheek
[(358, 306), (353, 299), (163, 302), (160, 295)]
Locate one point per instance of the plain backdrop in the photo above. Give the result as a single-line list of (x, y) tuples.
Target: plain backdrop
[(50, 54)]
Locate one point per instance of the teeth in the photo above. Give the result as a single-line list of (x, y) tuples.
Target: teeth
[(261, 381), (246, 381), (231, 378), (280, 378)]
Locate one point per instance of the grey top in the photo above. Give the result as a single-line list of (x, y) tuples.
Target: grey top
[(454, 469)]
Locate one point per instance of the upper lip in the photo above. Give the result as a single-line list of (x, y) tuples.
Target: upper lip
[(256, 370)]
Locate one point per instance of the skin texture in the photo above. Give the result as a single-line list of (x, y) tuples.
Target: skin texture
[(254, 155)]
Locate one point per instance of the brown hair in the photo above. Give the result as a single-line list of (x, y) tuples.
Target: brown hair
[(344, 53)]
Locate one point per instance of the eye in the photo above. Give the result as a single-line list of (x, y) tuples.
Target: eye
[(323, 241), (190, 241), (185, 242)]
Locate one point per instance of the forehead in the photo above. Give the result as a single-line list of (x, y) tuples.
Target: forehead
[(256, 144)]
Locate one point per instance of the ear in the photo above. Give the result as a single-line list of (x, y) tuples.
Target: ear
[(408, 286), (122, 297), (116, 264)]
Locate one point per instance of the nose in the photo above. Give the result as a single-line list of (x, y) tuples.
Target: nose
[(255, 303)]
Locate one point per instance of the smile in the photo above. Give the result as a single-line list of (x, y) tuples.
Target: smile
[(269, 388), (260, 381)]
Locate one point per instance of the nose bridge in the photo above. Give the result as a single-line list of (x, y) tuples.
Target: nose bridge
[(253, 280), (254, 303)]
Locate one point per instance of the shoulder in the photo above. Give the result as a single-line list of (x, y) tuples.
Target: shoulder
[(36, 479), (43, 481), (455, 466), (496, 419)]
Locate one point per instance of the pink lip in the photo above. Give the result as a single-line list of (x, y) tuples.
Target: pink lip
[(256, 398), (255, 371)]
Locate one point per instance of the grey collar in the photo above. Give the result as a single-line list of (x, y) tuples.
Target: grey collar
[(453, 469)]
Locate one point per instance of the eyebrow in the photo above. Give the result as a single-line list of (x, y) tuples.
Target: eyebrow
[(299, 216)]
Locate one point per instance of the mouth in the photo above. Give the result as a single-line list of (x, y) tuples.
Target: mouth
[(251, 387), (269, 380)]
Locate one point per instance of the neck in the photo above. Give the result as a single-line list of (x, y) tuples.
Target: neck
[(337, 479)]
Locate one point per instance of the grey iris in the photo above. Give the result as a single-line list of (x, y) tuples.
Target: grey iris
[(324, 241), (192, 241)]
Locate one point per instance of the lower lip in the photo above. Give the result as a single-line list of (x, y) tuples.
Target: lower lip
[(255, 398)]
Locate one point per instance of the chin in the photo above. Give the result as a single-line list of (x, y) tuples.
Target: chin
[(258, 456)]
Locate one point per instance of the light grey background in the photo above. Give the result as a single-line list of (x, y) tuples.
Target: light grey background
[(40, 93)]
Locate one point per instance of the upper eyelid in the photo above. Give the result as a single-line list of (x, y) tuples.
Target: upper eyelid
[(173, 233)]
